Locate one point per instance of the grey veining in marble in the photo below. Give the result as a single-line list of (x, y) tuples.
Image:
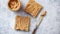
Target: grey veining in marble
[(49, 24)]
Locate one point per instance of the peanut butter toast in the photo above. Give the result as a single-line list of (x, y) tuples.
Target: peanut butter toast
[(33, 8), (22, 23)]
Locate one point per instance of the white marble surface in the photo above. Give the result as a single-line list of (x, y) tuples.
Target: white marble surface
[(49, 24)]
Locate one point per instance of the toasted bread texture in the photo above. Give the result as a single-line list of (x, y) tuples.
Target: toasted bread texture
[(22, 23), (33, 8)]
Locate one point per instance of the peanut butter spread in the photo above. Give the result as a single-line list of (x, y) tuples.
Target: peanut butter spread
[(14, 4)]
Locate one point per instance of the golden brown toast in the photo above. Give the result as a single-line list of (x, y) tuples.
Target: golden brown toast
[(22, 23), (33, 8)]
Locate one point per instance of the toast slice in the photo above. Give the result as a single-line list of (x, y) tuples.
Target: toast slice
[(22, 23), (33, 8)]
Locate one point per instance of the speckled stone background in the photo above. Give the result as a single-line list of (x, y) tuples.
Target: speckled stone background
[(49, 25)]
